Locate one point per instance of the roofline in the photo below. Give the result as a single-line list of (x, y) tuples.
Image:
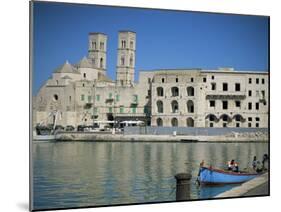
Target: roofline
[(97, 33), (208, 71), (127, 31)]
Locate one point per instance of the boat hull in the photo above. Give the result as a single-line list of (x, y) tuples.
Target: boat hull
[(210, 176)]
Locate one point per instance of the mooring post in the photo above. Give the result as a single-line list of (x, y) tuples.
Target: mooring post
[(183, 186)]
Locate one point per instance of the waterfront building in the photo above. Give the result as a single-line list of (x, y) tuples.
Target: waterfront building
[(83, 94)]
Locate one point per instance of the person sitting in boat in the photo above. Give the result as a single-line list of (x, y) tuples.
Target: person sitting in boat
[(236, 168), (230, 165), (254, 163), (259, 167)]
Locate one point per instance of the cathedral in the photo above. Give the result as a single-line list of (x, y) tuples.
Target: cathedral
[(83, 94)]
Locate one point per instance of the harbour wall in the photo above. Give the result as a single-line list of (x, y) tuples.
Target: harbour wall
[(194, 131)]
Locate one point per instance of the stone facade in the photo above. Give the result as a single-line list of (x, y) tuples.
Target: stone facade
[(82, 94)]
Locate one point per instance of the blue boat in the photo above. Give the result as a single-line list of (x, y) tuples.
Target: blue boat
[(213, 176)]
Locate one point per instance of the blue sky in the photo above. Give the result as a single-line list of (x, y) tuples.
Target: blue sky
[(165, 39)]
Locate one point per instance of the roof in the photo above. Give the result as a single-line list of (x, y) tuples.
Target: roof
[(67, 68), (103, 78), (85, 63), (66, 77), (97, 33), (127, 31)]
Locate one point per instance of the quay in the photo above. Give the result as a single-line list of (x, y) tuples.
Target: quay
[(258, 186), (93, 136)]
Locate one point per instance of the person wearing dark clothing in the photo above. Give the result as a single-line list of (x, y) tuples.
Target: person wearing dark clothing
[(254, 163), (265, 162)]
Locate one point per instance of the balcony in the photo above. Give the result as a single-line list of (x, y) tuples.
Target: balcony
[(231, 96)]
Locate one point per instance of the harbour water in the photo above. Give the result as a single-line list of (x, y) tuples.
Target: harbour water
[(79, 174)]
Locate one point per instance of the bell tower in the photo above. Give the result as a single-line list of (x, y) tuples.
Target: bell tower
[(126, 58), (97, 50)]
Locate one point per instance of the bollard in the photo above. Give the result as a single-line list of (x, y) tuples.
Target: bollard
[(183, 186)]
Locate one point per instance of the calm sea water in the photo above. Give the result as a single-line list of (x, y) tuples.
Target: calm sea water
[(77, 174)]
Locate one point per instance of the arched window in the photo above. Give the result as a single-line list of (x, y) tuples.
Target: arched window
[(123, 44), (190, 106), (94, 45), (101, 63), (55, 97), (159, 122), (190, 91), (175, 91), (159, 105), (175, 106), (190, 122), (174, 122), (131, 60), (84, 75), (122, 61), (225, 117), (131, 44), (160, 91)]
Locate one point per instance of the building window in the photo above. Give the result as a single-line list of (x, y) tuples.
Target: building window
[(84, 75), (189, 122), (149, 92), (110, 109), (257, 80), (224, 86), (190, 106), (174, 122), (134, 109), (224, 125), (250, 80), (177, 79), (190, 91), (263, 94), (225, 118), (82, 97), (237, 87), (122, 61), (262, 81), (94, 45), (117, 98), (55, 97), (204, 79), (224, 105), (95, 110), (101, 45), (159, 105), (213, 77), (83, 85), (69, 98), (121, 109), (123, 44), (213, 86), (191, 79), (175, 106), (212, 103), (257, 118), (135, 98), (89, 99), (110, 95), (211, 124), (249, 93), (98, 97), (237, 124), (237, 103), (257, 105), (175, 91), (160, 91), (250, 106), (250, 119), (249, 124), (212, 118), (163, 80), (257, 125), (131, 44), (101, 63), (131, 61), (159, 122)]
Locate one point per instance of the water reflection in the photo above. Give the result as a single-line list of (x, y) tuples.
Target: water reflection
[(73, 174)]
